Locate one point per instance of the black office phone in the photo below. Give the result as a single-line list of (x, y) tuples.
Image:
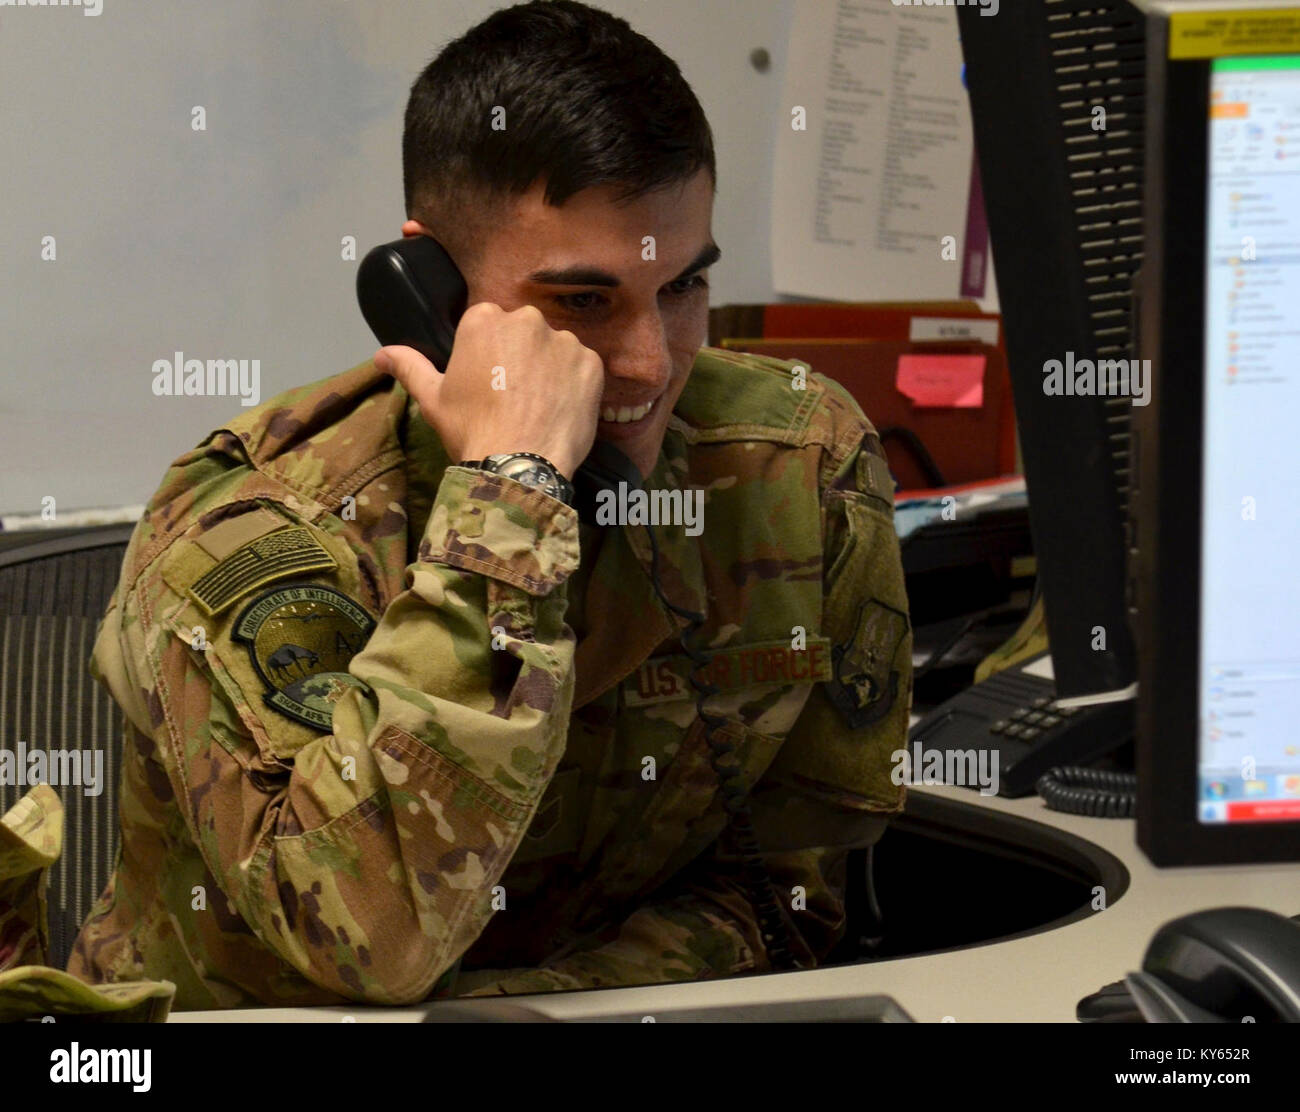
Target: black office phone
[(1017, 714), (411, 293), (1221, 965)]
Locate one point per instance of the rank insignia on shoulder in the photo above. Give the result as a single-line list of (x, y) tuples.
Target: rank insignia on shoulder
[(864, 684), (301, 638)]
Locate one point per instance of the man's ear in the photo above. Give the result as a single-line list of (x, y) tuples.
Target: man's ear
[(415, 228)]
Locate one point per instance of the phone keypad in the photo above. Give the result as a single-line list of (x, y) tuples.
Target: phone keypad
[(1030, 722)]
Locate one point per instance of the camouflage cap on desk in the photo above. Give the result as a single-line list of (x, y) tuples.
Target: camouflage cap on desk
[(31, 839), (36, 991)]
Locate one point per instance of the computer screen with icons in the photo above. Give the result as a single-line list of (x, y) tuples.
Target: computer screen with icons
[(1249, 690), (1215, 502)]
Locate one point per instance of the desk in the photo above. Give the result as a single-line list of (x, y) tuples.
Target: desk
[(1039, 978)]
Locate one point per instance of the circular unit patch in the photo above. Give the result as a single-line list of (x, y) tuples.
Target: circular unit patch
[(301, 638)]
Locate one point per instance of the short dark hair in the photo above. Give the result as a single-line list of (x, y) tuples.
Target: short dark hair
[(588, 101)]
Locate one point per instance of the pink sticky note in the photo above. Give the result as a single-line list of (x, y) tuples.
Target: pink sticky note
[(952, 381)]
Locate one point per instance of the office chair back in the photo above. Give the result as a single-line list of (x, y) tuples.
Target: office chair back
[(53, 592)]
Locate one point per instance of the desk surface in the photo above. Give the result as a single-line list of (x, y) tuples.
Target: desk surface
[(1039, 978)]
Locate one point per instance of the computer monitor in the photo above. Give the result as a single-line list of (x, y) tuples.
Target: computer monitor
[(1217, 452), (1056, 90)]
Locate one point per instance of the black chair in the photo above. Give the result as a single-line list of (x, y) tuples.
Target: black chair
[(54, 589)]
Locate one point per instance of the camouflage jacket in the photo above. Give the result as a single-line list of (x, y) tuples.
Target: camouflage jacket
[(402, 728)]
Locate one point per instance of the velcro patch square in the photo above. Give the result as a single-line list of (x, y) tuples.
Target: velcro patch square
[(289, 551)]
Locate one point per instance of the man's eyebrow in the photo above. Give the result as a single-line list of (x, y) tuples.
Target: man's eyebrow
[(581, 275)]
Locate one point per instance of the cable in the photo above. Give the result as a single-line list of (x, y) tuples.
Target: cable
[(762, 893), (1090, 791), (946, 646), (874, 912), (925, 461)]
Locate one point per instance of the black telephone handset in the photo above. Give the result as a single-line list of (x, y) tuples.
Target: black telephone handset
[(1225, 965), (1221, 965), (411, 293)]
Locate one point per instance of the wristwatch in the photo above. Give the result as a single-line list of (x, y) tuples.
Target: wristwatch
[(527, 468)]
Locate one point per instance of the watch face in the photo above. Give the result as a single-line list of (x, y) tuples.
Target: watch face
[(532, 472), (529, 472), (532, 475)]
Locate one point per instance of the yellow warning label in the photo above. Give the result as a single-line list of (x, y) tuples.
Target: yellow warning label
[(1220, 34)]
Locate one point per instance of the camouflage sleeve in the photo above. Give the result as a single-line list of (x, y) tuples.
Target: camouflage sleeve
[(828, 791), (31, 838), (364, 856), (707, 929)]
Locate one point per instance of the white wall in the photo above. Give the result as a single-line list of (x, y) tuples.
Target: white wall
[(225, 243)]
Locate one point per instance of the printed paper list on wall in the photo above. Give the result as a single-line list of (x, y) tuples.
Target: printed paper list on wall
[(874, 158)]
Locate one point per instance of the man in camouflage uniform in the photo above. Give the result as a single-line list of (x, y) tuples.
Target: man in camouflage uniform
[(403, 727)]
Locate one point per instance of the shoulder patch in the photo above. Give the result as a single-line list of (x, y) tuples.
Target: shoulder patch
[(874, 476), (865, 681), (272, 555), (301, 638)]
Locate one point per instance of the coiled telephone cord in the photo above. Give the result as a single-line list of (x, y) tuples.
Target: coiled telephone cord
[(757, 880)]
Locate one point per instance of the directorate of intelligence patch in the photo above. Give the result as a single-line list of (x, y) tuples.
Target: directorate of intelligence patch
[(301, 638)]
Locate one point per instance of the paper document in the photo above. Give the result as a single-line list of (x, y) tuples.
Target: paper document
[(958, 503), (874, 158)]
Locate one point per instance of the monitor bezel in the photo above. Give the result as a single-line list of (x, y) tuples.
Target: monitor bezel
[(1168, 442)]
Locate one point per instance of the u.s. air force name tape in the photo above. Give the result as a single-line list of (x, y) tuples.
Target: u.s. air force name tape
[(664, 679)]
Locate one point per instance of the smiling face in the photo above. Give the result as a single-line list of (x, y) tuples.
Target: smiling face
[(588, 265)]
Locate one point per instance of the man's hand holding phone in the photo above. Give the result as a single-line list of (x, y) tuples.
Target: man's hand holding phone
[(512, 384)]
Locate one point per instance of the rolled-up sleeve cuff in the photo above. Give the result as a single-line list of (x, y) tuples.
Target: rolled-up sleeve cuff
[(500, 528)]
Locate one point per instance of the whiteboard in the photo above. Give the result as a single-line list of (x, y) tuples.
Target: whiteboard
[(226, 243)]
